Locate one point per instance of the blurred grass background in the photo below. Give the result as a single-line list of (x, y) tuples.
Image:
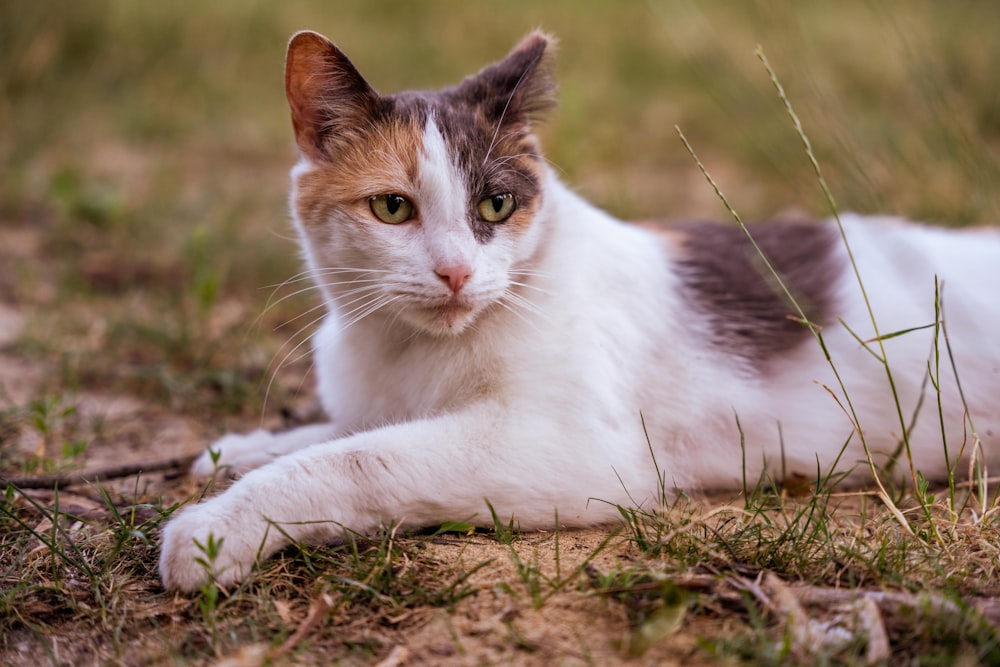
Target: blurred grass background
[(145, 146)]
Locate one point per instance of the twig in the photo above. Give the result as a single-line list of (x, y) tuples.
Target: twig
[(63, 480), (838, 615), (318, 609), (870, 616), (397, 657), (800, 628), (900, 602)]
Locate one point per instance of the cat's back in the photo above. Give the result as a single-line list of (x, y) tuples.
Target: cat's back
[(752, 275), (969, 257), (907, 267)]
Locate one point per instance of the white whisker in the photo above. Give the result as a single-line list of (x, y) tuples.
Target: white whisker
[(378, 304), (313, 274), (530, 286), (364, 291), (517, 312), (284, 360), (503, 115), (521, 302)]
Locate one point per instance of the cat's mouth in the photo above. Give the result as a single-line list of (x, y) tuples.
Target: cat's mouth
[(453, 311), (450, 316)]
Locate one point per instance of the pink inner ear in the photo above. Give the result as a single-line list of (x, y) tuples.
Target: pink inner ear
[(307, 54), (321, 86)]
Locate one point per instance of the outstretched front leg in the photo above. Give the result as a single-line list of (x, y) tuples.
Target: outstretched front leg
[(237, 453), (419, 473)]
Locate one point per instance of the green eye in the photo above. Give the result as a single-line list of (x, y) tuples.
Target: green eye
[(392, 208), (496, 208)]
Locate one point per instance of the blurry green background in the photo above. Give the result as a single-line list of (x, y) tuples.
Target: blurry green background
[(145, 145)]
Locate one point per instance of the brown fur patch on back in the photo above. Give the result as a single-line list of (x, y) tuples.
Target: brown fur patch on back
[(726, 280)]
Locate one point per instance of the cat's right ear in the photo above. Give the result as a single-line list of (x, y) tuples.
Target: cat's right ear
[(325, 92)]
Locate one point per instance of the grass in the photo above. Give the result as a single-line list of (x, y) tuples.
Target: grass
[(144, 151)]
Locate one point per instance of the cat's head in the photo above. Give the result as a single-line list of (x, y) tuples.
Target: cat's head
[(418, 206)]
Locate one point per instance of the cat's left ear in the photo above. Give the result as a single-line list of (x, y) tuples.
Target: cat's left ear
[(520, 87)]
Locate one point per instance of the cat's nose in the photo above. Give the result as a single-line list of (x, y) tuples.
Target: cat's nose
[(456, 276)]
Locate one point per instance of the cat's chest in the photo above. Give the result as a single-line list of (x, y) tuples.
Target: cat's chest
[(364, 382)]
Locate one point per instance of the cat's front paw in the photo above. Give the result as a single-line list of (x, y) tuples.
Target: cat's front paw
[(235, 454), (204, 543)]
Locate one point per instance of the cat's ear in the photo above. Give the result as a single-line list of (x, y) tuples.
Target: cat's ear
[(520, 87), (325, 92)]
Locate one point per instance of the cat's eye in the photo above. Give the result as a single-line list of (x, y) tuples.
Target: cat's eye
[(496, 208), (391, 208)]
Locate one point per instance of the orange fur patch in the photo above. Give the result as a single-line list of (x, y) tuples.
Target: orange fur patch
[(384, 160)]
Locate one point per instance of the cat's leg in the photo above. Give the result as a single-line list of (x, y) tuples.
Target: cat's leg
[(239, 453), (419, 473)]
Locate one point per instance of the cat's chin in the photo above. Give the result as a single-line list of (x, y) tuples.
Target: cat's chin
[(449, 319)]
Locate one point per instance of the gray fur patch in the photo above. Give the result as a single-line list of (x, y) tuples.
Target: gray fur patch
[(486, 122), (747, 312)]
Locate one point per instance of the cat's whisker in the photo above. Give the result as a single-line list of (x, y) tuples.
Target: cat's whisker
[(503, 115), (503, 172), (318, 286), (349, 319), (538, 289), (364, 290), (499, 162), (274, 368), (287, 322), (378, 301), (513, 298), (530, 271), (342, 287), (360, 312), (313, 275), (365, 304), (532, 279), (509, 306), (346, 310), (272, 303), (496, 140), (524, 304), (378, 304), (539, 276), (353, 285)]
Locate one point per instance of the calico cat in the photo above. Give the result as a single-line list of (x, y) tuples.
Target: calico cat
[(490, 336)]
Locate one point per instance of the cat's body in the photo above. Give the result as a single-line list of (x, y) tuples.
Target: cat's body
[(526, 361)]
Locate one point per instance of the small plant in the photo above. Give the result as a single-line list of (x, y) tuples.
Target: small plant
[(656, 608), (504, 533), (540, 585), (56, 423), (208, 593)]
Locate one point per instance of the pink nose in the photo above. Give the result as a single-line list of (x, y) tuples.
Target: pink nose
[(456, 276)]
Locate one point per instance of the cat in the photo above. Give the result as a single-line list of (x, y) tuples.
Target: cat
[(491, 336)]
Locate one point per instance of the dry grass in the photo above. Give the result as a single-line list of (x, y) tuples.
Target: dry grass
[(144, 150)]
